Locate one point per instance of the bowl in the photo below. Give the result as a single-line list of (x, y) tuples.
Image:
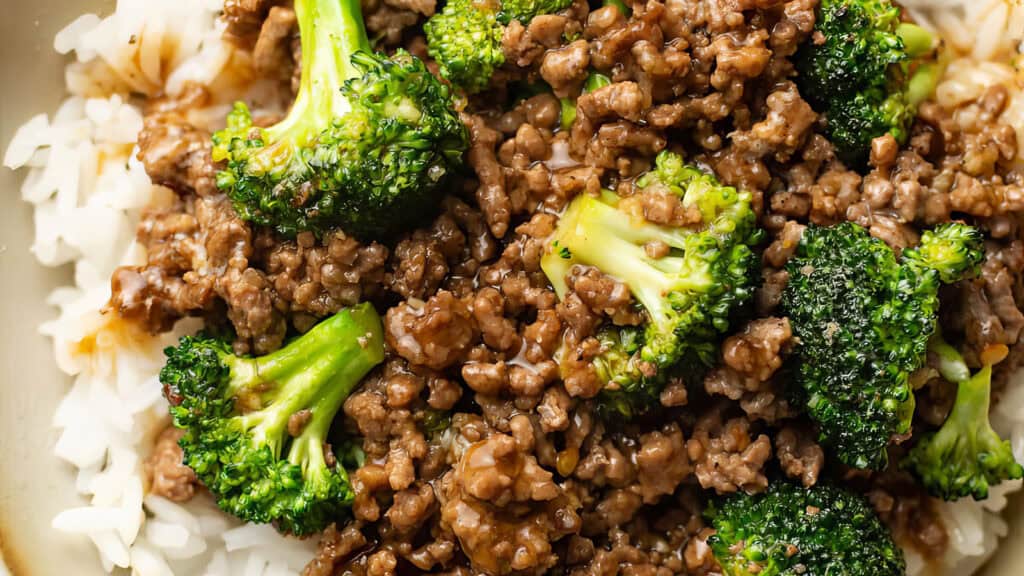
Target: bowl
[(34, 484)]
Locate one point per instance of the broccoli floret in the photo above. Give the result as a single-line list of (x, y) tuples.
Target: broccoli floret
[(465, 40), (687, 295), (465, 36), (235, 412), (867, 73), (863, 321), (366, 146), (966, 456), (794, 531)]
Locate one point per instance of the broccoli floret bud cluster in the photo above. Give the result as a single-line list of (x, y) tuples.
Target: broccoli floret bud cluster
[(464, 38), (863, 319), (867, 72), (235, 412), (790, 530)]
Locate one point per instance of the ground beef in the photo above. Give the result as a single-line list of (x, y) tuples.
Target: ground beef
[(168, 475), (784, 129), (912, 516), (436, 333), (505, 509), (334, 547), (244, 19), (524, 45), (726, 456), (749, 361), (175, 153), (202, 256), (389, 22), (529, 475), (273, 54), (799, 454)]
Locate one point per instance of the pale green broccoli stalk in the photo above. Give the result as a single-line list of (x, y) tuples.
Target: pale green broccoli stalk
[(966, 456)]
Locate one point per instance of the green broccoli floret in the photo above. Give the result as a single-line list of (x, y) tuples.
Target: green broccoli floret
[(366, 146), (465, 40), (794, 531), (687, 295), (965, 456), (465, 36), (235, 412), (867, 73), (863, 321)]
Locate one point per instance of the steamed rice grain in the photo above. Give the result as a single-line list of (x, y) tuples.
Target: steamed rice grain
[(88, 190)]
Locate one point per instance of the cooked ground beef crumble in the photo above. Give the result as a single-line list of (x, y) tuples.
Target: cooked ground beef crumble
[(527, 478)]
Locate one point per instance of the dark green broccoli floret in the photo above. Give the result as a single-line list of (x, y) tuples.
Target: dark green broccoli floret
[(687, 295), (867, 72), (465, 36), (863, 321), (366, 146), (965, 456), (794, 531), (235, 412)]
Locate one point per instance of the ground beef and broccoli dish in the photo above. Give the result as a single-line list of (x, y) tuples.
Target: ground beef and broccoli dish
[(644, 287)]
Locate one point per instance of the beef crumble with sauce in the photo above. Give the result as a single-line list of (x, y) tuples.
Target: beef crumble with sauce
[(527, 479)]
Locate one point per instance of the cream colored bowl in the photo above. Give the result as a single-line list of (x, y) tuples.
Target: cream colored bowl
[(34, 485)]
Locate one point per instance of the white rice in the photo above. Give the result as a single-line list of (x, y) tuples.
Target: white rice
[(89, 190)]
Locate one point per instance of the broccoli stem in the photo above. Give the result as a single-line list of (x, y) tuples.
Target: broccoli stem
[(922, 83), (916, 40), (309, 444), (332, 32), (951, 364), (604, 237), (970, 411), (925, 76), (318, 371), (567, 116), (966, 456), (596, 80)]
